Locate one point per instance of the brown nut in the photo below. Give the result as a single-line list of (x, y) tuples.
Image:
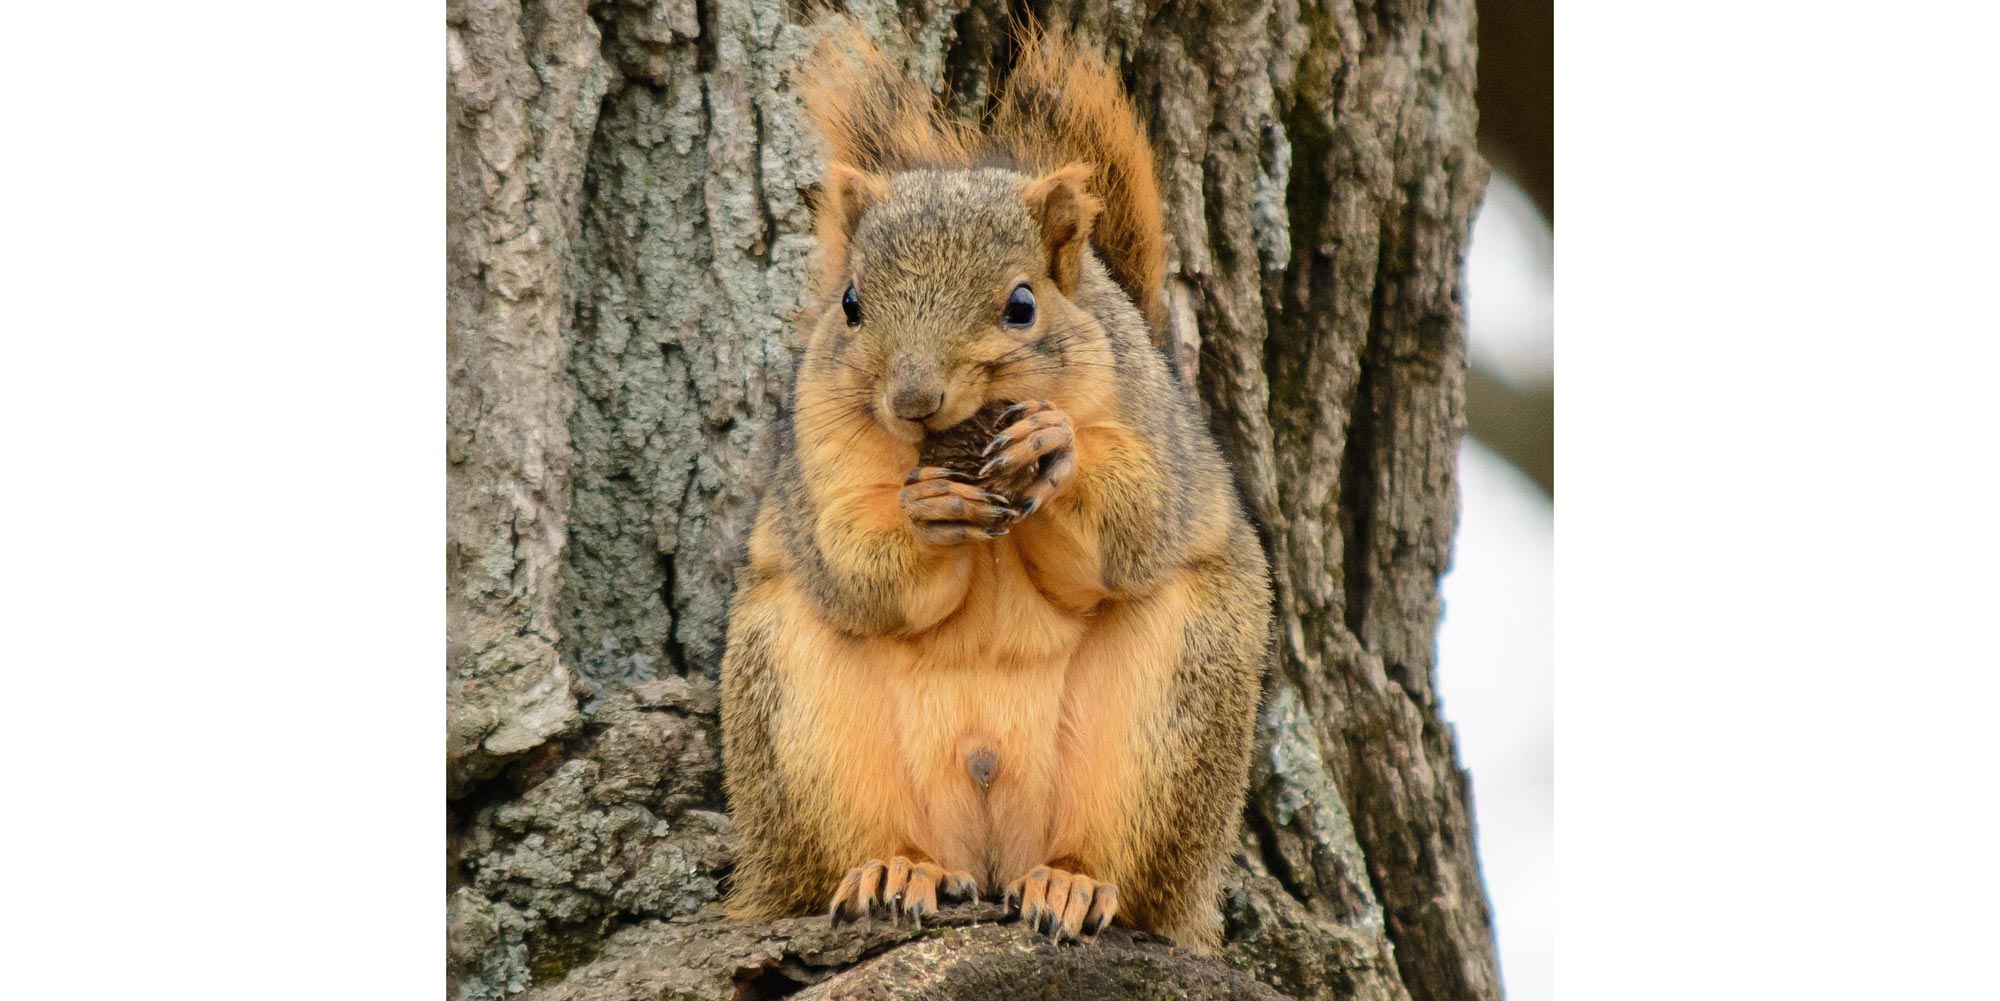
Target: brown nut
[(960, 448)]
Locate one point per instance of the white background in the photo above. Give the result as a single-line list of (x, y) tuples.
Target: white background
[(221, 392), (1496, 644)]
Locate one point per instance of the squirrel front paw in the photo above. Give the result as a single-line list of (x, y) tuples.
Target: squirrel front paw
[(897, 888), (946, 508), (1040, 437), (1059, 903)]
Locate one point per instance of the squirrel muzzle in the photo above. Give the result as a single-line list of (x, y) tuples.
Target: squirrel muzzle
[(915, 401), (913, 394)]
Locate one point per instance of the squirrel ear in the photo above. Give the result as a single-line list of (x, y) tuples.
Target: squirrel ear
[(848, 194), (1065, 211)]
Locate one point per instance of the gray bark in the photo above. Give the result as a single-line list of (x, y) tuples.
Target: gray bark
[(629, 233), (519, 128)]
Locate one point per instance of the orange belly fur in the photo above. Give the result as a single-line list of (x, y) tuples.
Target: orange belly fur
[(879, 730)]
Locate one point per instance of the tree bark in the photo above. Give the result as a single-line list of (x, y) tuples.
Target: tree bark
[(629, 234)]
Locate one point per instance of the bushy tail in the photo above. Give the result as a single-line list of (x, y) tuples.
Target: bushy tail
[(872, 116), (1062, 106)]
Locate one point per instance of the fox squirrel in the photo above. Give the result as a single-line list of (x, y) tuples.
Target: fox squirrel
[(1022, 664)]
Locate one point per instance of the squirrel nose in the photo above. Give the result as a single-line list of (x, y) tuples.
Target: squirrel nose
[(914, 403)]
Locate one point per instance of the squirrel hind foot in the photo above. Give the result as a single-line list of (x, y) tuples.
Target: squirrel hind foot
[(1062, 904), (897, 889)]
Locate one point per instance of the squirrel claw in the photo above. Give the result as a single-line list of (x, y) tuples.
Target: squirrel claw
[(1043, 441), (897, 889), (1063, 904), (859, 894), (945, 508)]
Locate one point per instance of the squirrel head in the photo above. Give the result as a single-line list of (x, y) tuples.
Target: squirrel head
[(952, 288)]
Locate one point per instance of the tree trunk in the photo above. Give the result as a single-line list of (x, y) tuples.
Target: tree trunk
[(629, 233)]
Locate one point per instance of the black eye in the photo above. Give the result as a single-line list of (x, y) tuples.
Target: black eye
[(850, 303), (1020, 311)]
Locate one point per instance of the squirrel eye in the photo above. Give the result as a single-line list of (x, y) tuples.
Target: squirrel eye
[(1020, 311), (850, 303)]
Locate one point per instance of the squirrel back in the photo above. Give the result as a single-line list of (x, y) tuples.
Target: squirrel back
[(1060, 107)]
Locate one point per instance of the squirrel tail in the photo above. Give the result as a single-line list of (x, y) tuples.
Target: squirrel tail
[(1061, 106), (872, 116)]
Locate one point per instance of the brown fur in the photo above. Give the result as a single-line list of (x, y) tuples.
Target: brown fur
[(1071, 684), (1060, 107)]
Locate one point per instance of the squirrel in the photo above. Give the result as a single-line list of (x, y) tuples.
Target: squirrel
[(1028, 670)]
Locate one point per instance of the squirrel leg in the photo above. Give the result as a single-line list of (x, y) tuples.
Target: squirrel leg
[(1061, 903), (1040, 437), (897, 888)]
